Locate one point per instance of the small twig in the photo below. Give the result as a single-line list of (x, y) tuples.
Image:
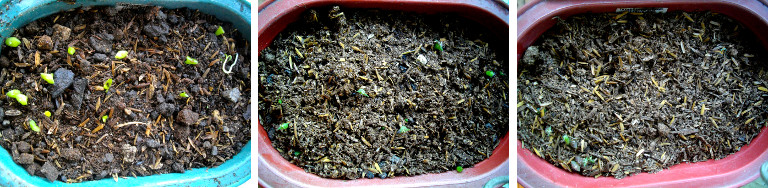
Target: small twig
[(130, 123)]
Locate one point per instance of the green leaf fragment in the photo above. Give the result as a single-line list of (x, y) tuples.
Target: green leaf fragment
[(567, 139), (33, 126), (283, 126), (439, 45), (190, 61), (279, 101), (47, 77), (219, 31), (490, 73), (107, 84), (362, 92), (183, 94), (459, 169), (12, 42), (121, 54), (13, 93), (403, 129), (296, 153), (71, 50)]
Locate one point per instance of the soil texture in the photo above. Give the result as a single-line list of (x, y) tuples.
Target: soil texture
[(617, 94), (139, 124), (368, 94)]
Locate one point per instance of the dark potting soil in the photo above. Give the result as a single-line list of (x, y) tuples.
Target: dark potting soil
[(347, 81), (149, 128), (641, 92)]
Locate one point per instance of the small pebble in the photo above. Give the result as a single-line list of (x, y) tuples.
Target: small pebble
[(369, 174), (215, 151)]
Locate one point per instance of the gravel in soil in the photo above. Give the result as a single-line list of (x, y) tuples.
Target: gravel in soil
[(622, 93), (139, 124), (351, 94)]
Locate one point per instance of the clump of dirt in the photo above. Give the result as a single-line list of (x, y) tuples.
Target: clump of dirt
[(622, 93), (139, 124), (366, 93)]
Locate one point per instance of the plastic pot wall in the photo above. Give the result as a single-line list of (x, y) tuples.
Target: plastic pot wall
[(275, 171), (232, 172), (735, 170)]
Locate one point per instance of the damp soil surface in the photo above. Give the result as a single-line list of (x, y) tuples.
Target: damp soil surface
[(423, 110), (618, 94), (140, 125)]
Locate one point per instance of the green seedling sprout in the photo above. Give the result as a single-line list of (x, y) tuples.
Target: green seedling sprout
[(183, 94), (567, 139), (296, 153), (121, 54), (219, 31), (12, 42), (362, 92), (224, 65), (459, 169), (107, 84), (403, 129), (104, 118), (48, 77), (589, 160), (71, 50), (279, 101), (283, 126), (33, 126), (47, 113), (438, 45), (16, 94), (490, 73), (190, 61)]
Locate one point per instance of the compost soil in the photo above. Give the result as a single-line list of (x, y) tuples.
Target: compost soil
[(313, 75), (640, 92), (149, 128)]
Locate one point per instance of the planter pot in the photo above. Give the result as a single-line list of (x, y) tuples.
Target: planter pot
[(735, 170), (275, 171), (232, 172)]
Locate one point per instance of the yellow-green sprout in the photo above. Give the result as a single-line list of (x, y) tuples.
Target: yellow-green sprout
[(121, 54), (47, 113), (33, 126), (183, 94), (191, 61), (16, 94), (47, 77), (12, 42), (71, 50), (219, 31), (104, 118), (107, 84)]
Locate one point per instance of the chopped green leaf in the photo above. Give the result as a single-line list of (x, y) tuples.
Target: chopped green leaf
[(362, 92), (190, 61), (33, 126), (219, 31), (22, 99), (121, 54), (283, 126), (403, 129), (71, 50), (107, 84), (12, 42), (47, 77), (490, 73), (13, 93), (439, 45)]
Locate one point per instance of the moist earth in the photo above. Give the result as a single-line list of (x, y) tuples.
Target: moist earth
[(366, 93), (617, 94), (140, 125)]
